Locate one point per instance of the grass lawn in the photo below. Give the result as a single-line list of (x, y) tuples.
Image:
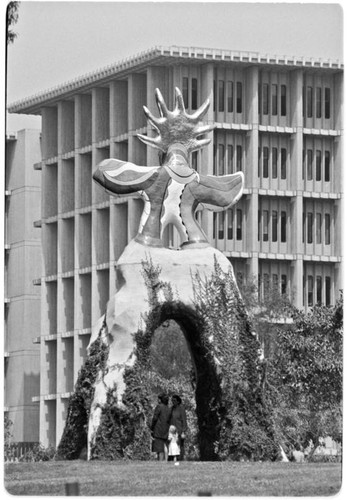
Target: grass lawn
[(98, 478)]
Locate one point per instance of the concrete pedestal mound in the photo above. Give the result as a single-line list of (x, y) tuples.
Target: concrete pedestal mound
[(127, 310)]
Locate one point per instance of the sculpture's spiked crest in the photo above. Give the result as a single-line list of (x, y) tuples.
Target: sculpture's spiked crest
[(177, 126)]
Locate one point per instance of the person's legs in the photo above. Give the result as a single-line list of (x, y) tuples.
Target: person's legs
[(161, 456), (182, 449)]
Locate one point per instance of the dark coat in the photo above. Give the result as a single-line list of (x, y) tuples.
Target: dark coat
[(178, 418), (160, 421)]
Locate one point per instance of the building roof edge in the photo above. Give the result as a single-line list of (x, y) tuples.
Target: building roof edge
[(32, 103)]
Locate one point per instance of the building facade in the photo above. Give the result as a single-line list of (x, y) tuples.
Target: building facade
[(22, 297), (279, 120)]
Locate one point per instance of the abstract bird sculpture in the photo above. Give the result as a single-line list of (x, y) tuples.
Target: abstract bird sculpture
[(172, 191)]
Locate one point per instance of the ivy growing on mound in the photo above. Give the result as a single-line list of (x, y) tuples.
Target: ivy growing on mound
[(245, 424), (74, 438)]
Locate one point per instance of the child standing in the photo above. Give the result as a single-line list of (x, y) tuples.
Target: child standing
[(173, 448)]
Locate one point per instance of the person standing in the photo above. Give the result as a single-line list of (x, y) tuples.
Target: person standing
[(160, 427), (173, 448), (178, 418)]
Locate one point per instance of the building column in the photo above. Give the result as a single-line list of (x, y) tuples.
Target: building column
[(206, 167), (251, 97), (157, 77), (297, 202), (252, 202), (49, 132), (297, 279), (297, 248), (251, 172), (118, 109)]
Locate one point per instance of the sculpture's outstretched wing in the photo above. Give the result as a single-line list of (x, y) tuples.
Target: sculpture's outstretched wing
[(219, 193), (122, 177)]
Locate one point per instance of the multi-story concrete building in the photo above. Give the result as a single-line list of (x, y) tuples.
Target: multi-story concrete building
[(279, 120), (22, 298)]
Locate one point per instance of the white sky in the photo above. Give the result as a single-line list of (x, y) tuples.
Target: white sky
[(59, 41)]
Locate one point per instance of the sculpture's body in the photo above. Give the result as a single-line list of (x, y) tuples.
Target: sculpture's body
[(171, 192)]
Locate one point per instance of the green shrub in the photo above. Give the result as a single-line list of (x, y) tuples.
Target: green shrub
[(39, 454)]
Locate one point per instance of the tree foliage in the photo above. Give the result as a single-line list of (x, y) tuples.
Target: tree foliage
[(303, 361), (305, 376), (12, 16)]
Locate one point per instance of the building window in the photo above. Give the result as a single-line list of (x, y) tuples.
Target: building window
[(309, 102), (238, 158), (274, 163), (265, 225), (195, 160), (265, 162), (221, 159), (214, 159), (221, 225), (230, 96), (309, 227), (318, 228), (319, 290), (259, 224), (274, 98), (221, 95), (185, 91), (214, 225), (309, 164), (230, 158), (238, 97), (327, 290), (303, 226), (327, 102), (266, 284), (283, 100), (318, 165), (283, 163), (303, 101), (230, 216), (239, 278), (194, 93), (327, 229), (275, 281), (319, 102), (283, 284), (259, 161), (283, 227), (310, 291), (327, 166), (274, 225), (214, 95), (265, 99), (239, 224)]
